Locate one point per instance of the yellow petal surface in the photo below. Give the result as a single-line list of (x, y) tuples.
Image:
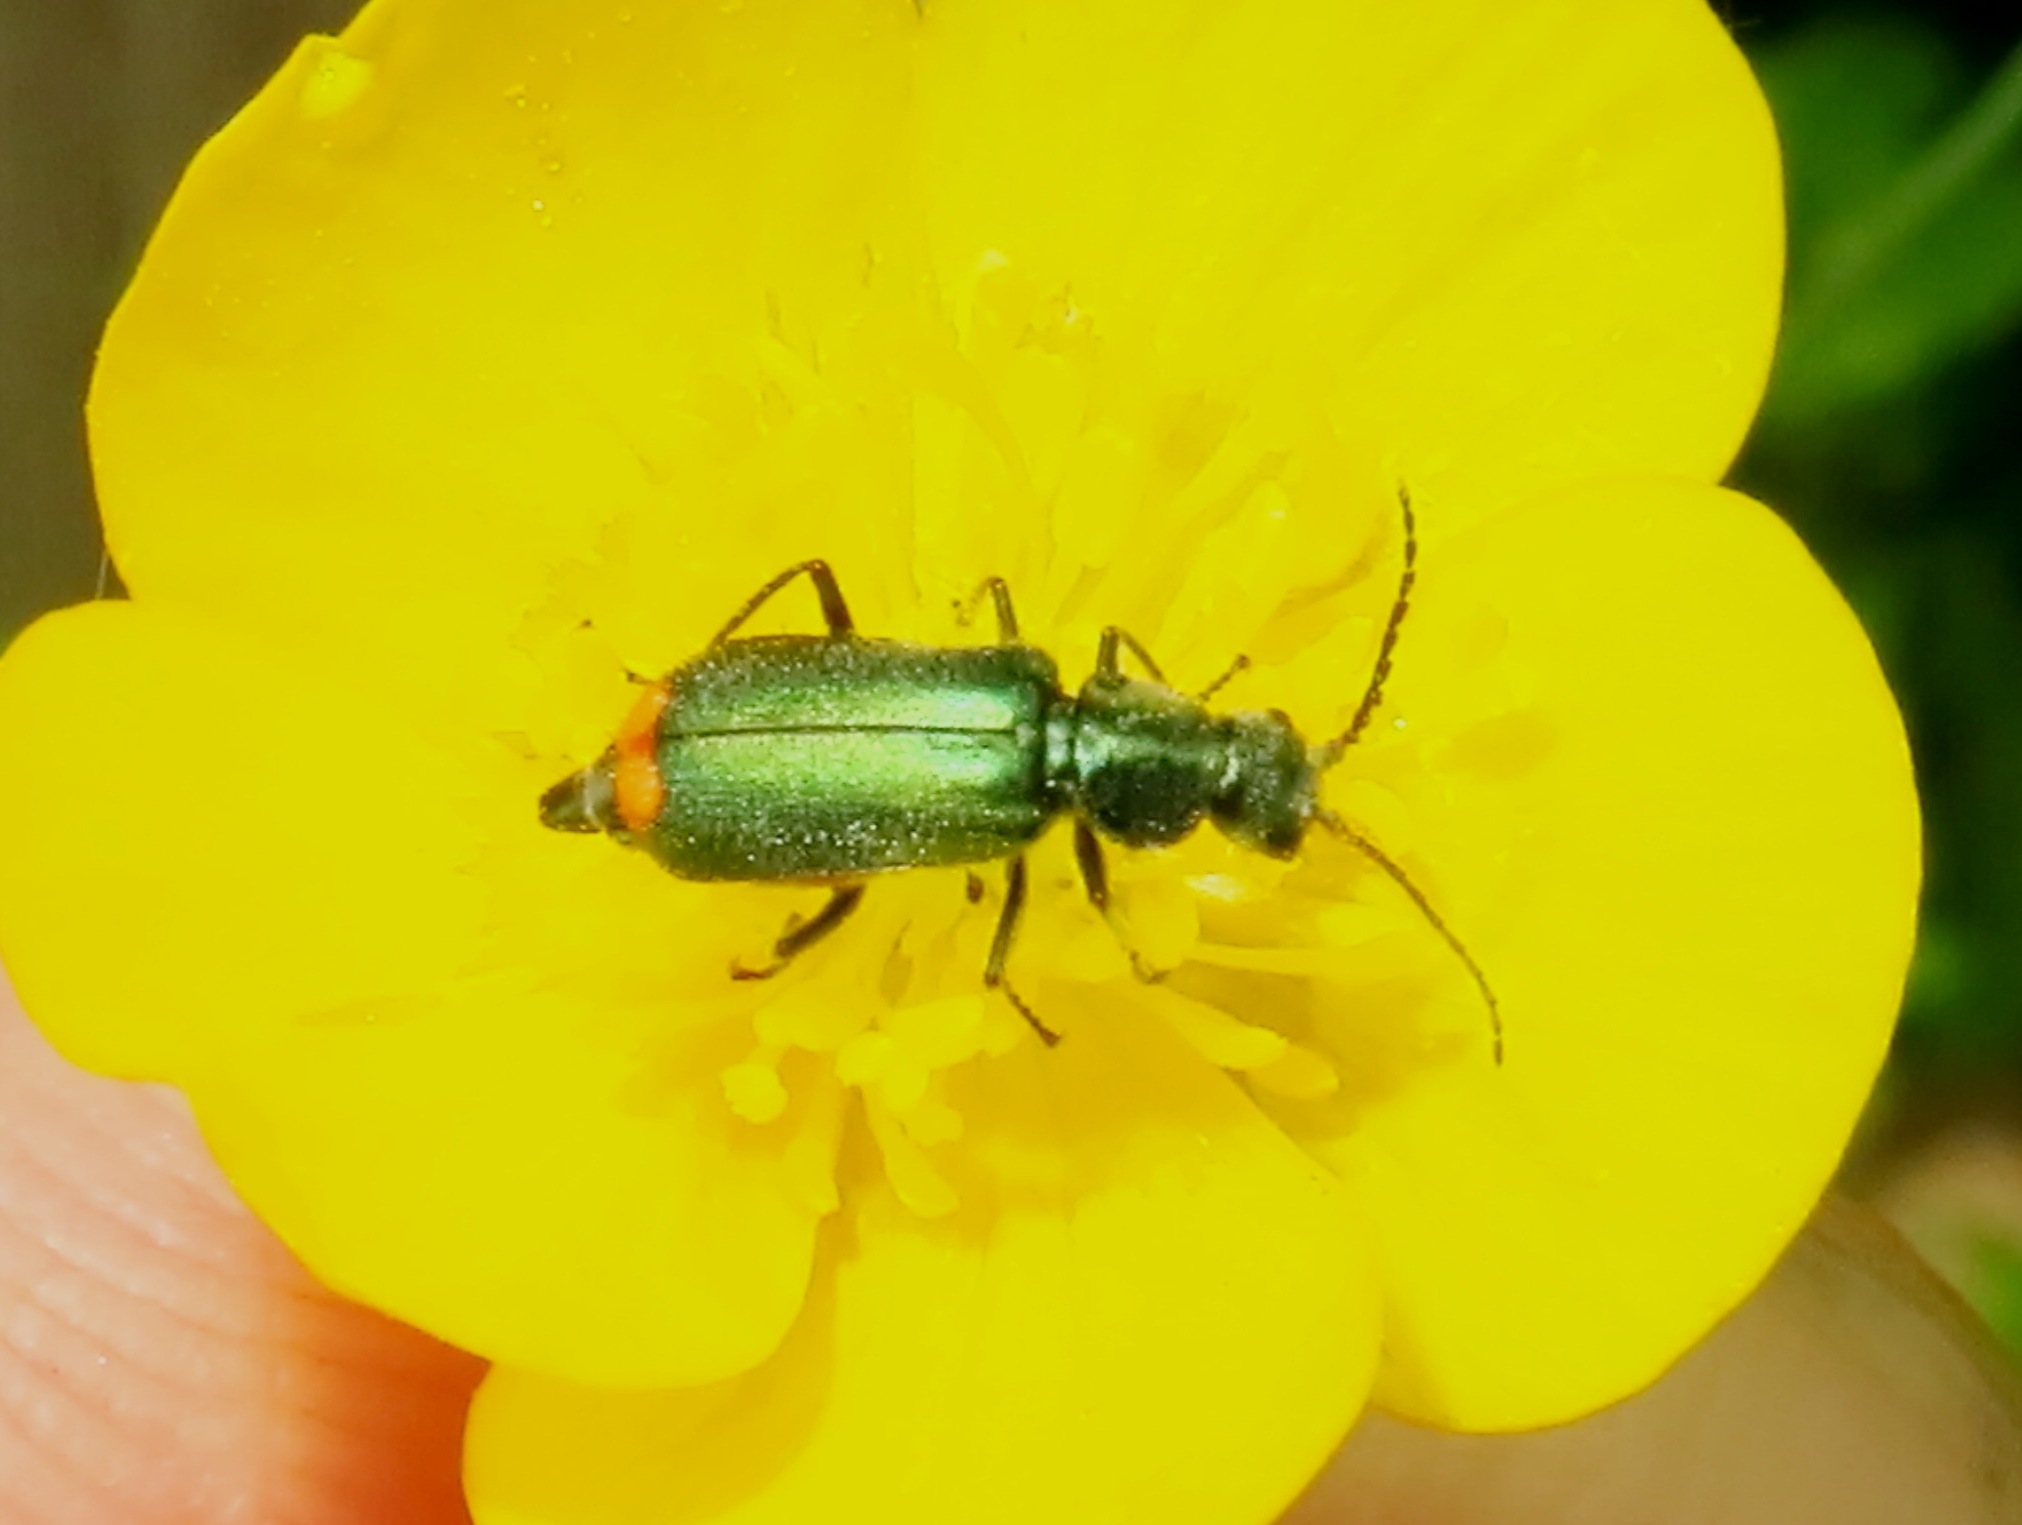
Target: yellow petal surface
[(1669, 809), (463, 292), (229, 871), (450, 296), (1514, 241), (187, 816), (1149, 1307)]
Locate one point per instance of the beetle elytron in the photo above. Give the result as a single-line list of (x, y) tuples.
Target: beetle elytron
[(829, 758)]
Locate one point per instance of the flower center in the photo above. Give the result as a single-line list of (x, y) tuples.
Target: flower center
[(1034, 447)]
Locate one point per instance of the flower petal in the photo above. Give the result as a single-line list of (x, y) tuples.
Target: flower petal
[(1515, 241), (453, 294), (1149, 1307), (228, 871), (485, 292), (495, 1170), (189, 818), (1671, 815)]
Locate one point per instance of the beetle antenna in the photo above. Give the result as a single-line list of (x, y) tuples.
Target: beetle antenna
[(1329, 753), (1402, 880)]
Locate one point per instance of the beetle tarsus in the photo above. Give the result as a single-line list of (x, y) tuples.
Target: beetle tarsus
[(1107, 663), (1000, 950), (999, 592), (1146, 971), (1240, 665), (1095, 880), (1088, 858), (801, 935), (1046, 1034), (834, 611)]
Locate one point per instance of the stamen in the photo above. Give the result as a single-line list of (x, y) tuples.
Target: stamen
[(753, 1087), (895, 1059), (814, 1017), (915, 1181), (1003, 1030), (939, 1033), (933, 1121), (1380, 813), (1313, 962), (1103, 468), (1223, 1040), (902, 1085), (1298, 1074), (1158, 919), (864, 1059), (808, 1160)]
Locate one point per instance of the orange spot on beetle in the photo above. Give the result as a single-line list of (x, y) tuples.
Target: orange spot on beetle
[(636, 771)]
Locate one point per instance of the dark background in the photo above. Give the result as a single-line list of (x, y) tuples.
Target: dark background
[(1889, 440)]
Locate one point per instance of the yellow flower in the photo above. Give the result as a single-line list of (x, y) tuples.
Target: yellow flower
[(497, 349)]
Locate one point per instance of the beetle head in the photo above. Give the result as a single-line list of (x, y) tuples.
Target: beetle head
[(585, 801)]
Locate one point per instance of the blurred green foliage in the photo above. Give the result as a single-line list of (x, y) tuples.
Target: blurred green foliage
[(1888, 439), (1905, 213), (1995, 1288)]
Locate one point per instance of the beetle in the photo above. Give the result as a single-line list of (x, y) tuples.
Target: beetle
[(828, 759)]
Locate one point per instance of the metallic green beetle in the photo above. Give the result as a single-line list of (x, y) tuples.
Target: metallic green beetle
[(827, 759)]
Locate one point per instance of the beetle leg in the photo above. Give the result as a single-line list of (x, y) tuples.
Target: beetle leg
[(1095, 879), (799, 935), (1094, 874), (1116, 640), (1000, 598), (827, 589), (1241, 664), (1007, 922), (1106, 663), (1000, 949)]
